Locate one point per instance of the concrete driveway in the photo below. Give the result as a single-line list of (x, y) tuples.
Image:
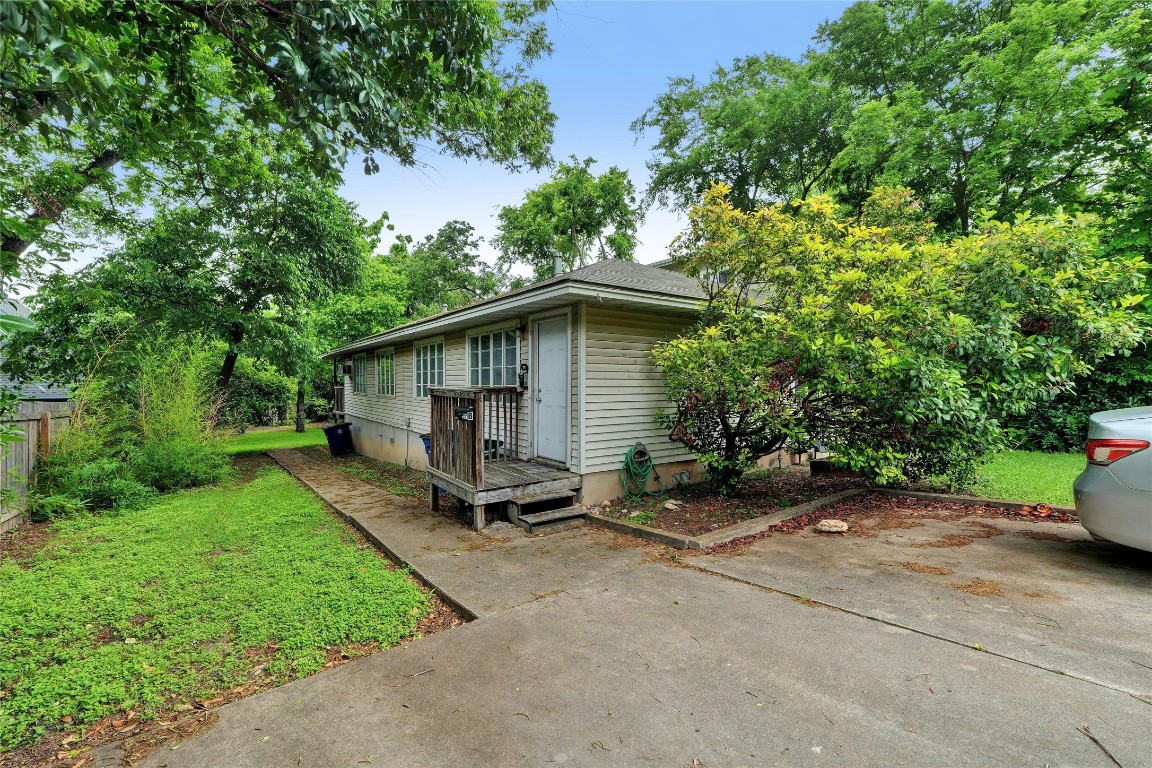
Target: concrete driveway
[(1040, 593), (595, 651), (658, 665)]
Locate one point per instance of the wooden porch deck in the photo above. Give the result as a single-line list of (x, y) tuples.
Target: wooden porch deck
[(506, 480)]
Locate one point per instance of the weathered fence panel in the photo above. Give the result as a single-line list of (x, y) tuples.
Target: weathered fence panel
[(18, 462)]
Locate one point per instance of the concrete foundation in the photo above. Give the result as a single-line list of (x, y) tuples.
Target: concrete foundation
[(600, 486), (384, 442)]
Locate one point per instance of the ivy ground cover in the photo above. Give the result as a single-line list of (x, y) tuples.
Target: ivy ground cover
[(167, 606)]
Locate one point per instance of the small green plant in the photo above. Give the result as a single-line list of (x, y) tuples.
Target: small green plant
[(42, 508), (643, 516)]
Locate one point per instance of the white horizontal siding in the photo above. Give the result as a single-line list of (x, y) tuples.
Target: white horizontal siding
[(624, 389), (404, 409)]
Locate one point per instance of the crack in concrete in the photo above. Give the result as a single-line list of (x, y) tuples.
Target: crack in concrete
[(1141, 695)]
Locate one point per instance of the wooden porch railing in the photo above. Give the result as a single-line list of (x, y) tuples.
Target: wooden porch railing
[(471, 428)]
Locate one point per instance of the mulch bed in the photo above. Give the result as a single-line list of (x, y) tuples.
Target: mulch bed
[(704, 510), (884, 512)]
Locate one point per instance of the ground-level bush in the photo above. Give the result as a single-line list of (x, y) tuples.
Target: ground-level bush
[(1062, 424), (130, 436), (167, 465)]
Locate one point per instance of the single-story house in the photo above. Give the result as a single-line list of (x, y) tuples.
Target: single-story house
[(539, 392)]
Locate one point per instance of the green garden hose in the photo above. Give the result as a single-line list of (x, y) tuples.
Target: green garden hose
[(637, 469)]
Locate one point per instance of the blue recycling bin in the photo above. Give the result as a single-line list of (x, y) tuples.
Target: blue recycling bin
[(339, 439)]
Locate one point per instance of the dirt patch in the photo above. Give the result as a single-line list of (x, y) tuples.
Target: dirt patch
[(23, 542), (246, 466), (1040, 594), (979, 587), (947, 541), (894, 522), (440, 618), (701, 509), (922, 568)]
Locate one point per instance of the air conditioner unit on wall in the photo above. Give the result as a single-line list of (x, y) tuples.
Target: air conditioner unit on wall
[(347, 369)]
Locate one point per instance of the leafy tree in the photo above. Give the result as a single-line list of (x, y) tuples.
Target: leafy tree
[(575, 215), (901, 353), (244, 265), (1009, 106), (445, 271), (86, 86), (767, 127)]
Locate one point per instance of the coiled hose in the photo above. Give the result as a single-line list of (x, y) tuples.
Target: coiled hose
[(637, 470)]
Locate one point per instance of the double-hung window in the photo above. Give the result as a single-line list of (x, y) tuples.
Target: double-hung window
[(428, 367), (493, 358), (358, 372), (386, 372)]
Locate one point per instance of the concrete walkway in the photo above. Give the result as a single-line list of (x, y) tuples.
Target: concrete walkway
[(478, 574), (592, 654)]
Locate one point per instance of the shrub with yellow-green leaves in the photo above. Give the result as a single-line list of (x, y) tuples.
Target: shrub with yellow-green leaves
[(899, 352)]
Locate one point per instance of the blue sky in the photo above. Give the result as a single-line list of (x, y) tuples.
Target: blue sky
[(611, 60)]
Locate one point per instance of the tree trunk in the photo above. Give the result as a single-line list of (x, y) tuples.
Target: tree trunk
[(300, 404), (235, 336), (49, 210)]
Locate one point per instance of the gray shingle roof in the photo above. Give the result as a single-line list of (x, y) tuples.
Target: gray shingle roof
[(610, 273), (632, 276)]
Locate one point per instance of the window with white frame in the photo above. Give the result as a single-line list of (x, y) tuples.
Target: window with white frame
[(358, 372), (428, 367), (386, 372), (493, 358)]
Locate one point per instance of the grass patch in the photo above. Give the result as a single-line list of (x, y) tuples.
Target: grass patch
[(1033, 477), (190, 597), (259, 440)]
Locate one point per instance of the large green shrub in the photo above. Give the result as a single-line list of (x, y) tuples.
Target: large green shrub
[(900, 353), (256, 395), (131, 436), (98, 484), (1062, 424)]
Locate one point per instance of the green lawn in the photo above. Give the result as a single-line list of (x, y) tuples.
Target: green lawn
[(257, 441), (1031, 476), (172, 604)]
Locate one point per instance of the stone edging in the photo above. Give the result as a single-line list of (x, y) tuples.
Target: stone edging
[(765, 522), (972, 501), (723, 535)]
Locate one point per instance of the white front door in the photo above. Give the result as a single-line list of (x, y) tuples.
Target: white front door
[(551, 389)]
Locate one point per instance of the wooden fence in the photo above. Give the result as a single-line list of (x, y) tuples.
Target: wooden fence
[(18, 462)]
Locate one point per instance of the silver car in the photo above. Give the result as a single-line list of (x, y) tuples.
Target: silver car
[(1114, 492)]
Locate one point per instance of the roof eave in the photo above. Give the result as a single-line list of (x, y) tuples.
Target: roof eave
[(575, 291)]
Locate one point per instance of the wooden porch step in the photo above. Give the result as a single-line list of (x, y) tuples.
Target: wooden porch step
[(534, 498), (533, 521)]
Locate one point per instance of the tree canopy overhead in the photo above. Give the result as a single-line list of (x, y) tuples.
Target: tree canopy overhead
[(85, 86), (576, 215), (243, 264), (767, 127), (1008, 105)]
